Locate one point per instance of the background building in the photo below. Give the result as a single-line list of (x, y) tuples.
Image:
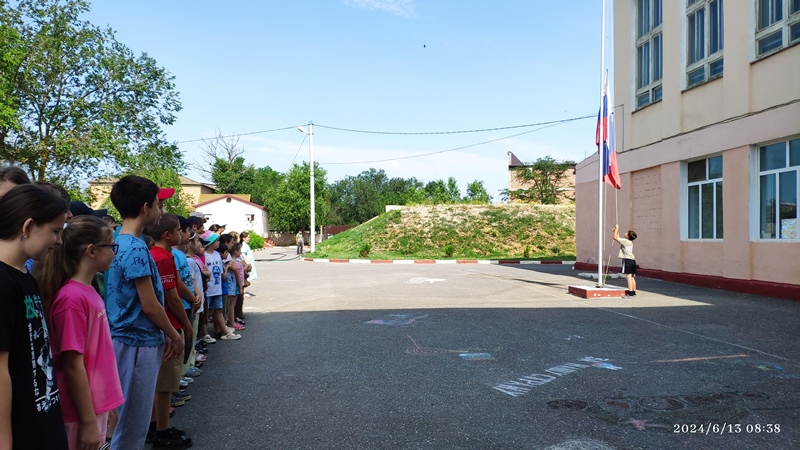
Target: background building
[(236, 212), (707, 107)]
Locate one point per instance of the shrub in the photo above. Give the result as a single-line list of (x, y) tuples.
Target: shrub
[(527, 251), (256, 241), (364, 250), (449, 249)]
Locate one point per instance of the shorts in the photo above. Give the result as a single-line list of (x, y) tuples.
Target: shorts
[(169, 374), (237, 290), (629, 266), (215, 301)]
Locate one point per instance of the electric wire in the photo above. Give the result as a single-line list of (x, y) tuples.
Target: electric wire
[(551, 124), (235, 135), (298, 150), (403, 133)]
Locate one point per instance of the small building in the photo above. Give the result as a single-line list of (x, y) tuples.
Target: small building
[(100, 189), (235, 211), (566, 186)]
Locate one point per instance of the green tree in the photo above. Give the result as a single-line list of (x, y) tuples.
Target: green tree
[(546, 178), (289, 209), (86, 102), (476, 193), (10, 58)]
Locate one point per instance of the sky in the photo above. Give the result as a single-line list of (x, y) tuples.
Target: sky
[(388, 66)]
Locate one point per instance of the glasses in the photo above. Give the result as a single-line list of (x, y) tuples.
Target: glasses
[(114, 247)]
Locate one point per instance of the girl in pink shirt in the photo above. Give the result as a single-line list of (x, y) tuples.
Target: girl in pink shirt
[(80, 338)]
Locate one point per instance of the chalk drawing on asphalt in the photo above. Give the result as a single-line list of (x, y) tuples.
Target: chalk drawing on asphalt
[(574, 337), (523, 385), (475, 356), (420, 280), (396, 319)]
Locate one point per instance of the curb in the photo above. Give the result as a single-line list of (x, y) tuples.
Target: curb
[(435, 261)]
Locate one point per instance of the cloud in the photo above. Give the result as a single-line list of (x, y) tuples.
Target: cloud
[(403, 8)]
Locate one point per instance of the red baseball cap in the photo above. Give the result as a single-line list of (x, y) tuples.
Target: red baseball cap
[(166, 193)]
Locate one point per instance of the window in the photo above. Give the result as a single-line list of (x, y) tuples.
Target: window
[(777, 25), (705, 40), (704, 181), (250, 217), (649, 52), (778, 167)]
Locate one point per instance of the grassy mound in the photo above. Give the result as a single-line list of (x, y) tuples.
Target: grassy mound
[(517, 231)]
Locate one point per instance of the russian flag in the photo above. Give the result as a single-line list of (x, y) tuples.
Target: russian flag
[(605, 137)]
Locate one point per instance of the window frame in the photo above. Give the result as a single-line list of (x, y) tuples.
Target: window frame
[(652, 38), (717, 210), (758, 198), (708, 62), (789, 21)]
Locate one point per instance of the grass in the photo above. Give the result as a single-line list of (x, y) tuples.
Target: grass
[(500, 232)]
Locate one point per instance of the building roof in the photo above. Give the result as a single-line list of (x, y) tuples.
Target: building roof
[(206, 199), (185, 181), (513, 161)]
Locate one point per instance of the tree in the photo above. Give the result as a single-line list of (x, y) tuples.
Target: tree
[(546, 178), (85, 101), (10, 58), (476, 193), (290, 207), (225, 166)]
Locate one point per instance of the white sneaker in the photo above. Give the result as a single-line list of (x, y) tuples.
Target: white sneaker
[(208, 339), (231, 337), (231, 330)]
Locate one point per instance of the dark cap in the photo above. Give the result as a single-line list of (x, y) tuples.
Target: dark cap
[(78, 208)]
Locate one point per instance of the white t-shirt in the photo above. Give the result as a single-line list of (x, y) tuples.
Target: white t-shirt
[(625, 248), (248, 256), (197, 275), (214, 264)]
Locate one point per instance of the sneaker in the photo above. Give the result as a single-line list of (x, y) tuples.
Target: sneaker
[(194, 372), (176, 402), (170, 439), (240, 320), (208, 339), (200, 358), (185, 396), (231, 337), (184, 384), (231, 330), (238, 326), (187, 379)]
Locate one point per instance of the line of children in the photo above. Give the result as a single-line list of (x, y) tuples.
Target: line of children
[(119, 364)]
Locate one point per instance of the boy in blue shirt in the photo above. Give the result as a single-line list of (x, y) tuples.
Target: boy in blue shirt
[(140, 329)]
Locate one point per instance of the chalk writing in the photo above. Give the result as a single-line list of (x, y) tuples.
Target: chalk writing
[(395, 319), (475, 356), (420, 280), (523, 385)]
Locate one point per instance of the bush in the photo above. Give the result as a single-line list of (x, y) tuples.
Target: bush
[(364, 250), (256, 241), (449, 249), (527, 252)]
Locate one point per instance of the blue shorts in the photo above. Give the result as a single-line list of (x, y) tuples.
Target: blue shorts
[(215, 302)]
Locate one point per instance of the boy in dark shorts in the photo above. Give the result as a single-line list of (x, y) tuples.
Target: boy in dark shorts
[(628, 260)]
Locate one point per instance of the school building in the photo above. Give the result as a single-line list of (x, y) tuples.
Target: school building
[(707, 111)]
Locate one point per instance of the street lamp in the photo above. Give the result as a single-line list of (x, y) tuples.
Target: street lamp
[(310, 133)]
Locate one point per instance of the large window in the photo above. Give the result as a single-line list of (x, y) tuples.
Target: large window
[(777, 25), (705, 40), (778, 166), (704, 180), (649, 52)]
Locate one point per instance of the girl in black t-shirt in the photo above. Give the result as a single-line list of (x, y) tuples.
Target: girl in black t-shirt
[(30, 410)]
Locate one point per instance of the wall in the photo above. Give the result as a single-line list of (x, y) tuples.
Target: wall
[(233, 214)]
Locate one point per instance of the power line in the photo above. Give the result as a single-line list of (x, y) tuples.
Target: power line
[(549, 124), (553, 122), (400, 133), (235, 135)]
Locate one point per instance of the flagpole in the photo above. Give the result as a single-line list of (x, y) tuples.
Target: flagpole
[(600, 280)]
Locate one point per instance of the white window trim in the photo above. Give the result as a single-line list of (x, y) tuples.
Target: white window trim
[(755, 194), (685, 200), (785, 24), (637, 41), (709, 58)]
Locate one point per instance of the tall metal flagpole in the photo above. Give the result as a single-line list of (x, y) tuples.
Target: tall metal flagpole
[(600, 280)]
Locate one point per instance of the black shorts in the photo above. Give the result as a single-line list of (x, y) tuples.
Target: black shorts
[(629, 266)]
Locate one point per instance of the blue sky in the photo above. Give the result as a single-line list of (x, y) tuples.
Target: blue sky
[(379, 65)]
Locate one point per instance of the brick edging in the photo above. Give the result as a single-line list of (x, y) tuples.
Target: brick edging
[(753, 287), (433, 261)]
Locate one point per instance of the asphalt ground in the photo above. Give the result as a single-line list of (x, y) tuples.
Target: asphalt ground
[(382, 356)]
